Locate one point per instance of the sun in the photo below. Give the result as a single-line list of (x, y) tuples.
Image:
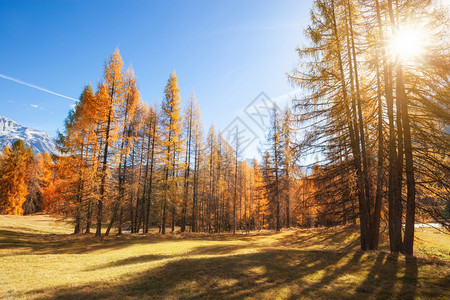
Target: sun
[(407, 43)]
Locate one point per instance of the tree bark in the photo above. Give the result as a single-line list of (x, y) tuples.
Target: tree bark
[(410, 182)]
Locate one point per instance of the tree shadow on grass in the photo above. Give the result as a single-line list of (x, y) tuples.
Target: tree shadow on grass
[(223, 236), (219, 249), (443, 282), (382, 278), (409, 280), (210, 277), (216, 275), (248, 270), (42, 244), (204, 250), (130, 261), (332, 274), (329, 237)]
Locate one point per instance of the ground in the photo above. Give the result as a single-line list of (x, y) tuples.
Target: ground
[(40, 259)]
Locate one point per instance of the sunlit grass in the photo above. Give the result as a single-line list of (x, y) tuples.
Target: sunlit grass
[(433, 242), (40, 259)]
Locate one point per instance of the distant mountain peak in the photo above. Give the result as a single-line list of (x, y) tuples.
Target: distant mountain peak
[(10, 131)]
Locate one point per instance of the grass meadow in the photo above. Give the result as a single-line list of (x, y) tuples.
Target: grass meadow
[(41, 259)]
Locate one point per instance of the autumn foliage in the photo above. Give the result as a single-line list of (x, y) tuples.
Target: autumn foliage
[(26, 180), (376, 124)]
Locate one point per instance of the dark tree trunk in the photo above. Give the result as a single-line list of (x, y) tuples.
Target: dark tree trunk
[(365, 170), (150, 187), (195, 188), (410, 182), (88, 217), (98, 232), (380, 165), (354, 141), (186, 176)]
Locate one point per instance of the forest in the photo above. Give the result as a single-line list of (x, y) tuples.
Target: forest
[(375, 111)]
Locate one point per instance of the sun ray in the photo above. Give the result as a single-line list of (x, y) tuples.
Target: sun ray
[(408, 43)]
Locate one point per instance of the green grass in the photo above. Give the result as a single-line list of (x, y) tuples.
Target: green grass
[(40, 259)]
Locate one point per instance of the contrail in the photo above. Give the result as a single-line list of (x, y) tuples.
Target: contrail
[(36, 87)]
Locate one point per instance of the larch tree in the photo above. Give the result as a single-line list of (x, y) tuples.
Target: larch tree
[(211, 147), (287, 136), (125, 113), (355, 85), (236, 146), (151, 133), (197, 148), (274, 167), (110, 97), (188, 128), (171, 146), (14, 175), (78, 142)]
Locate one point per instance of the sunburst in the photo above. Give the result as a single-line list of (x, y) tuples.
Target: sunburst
[(408, 43)]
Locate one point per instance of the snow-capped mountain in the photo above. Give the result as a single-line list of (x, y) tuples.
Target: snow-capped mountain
[(10, 132)]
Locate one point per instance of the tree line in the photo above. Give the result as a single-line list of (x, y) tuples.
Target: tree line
[(122, 164), (378, 122)]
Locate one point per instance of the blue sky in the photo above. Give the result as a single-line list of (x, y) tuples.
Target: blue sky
[(228, 51)]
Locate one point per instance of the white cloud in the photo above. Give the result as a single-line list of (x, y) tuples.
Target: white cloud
[(34, 105)]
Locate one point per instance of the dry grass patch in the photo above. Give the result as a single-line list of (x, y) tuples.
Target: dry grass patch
[(40, 259)]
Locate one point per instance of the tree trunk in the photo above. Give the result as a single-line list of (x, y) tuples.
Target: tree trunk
[(380, 165), (149, 195), (395, 210), (98, 232), (410, 182), (362, 137), (354, 143)]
